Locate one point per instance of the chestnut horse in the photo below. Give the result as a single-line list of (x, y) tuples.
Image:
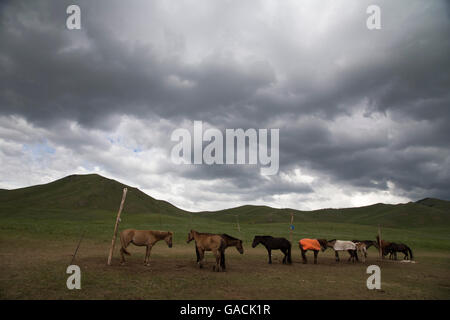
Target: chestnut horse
[(208, 242), (229, 242), (141, 238)]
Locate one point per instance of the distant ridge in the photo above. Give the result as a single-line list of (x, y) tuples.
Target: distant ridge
[(93, 192)]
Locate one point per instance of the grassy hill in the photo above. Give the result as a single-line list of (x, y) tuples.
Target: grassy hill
[(412, 214), (90, 192), (94, 193)]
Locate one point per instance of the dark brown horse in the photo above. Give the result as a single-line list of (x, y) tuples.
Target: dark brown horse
[(229, 242), (383, 245), (312, 244), (393, 248), (208, 242)]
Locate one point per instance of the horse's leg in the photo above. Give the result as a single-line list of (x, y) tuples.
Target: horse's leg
[(316, 252), (201, 253), (337, 256), (124, 244), (217, 266), (269, 252), (122, 258), (305, 261), (285, 255), (147, 255)]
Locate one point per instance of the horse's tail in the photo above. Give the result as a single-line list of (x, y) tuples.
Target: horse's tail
[(123, 242), (410, 253), (289, 255)]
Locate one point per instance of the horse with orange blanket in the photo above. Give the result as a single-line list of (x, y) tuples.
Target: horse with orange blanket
[(312, 244)]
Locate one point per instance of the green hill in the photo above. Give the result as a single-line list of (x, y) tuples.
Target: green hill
[(94, 193), (90, 192)]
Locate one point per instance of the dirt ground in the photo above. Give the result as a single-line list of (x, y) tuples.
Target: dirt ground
[(37, 270)]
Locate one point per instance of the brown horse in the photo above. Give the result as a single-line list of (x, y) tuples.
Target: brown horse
[(141, 238), (361, 247), (208, 242), (229, 242), (383, 244)]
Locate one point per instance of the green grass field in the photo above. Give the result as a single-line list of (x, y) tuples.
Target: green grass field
[(40, 228)]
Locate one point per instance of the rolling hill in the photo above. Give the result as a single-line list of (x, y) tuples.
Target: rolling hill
[(92, 192)]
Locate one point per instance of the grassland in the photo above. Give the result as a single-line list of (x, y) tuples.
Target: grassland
[(40, 227)]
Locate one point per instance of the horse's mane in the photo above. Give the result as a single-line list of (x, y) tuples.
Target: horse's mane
[(228, 236), (332, 240), (265, 237)]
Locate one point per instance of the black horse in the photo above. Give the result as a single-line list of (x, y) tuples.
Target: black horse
[(272, 243), (393, 248)]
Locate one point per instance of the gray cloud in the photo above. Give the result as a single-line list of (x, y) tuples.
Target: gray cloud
[(363, 110)]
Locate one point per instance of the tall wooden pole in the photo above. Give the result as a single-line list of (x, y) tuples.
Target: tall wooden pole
[(116, 227), (290, 227)]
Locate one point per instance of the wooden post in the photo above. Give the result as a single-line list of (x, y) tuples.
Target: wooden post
[(116, 227), (290, 227), (380, 251)]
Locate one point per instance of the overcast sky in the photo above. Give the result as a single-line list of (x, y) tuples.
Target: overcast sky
[(363, 114)]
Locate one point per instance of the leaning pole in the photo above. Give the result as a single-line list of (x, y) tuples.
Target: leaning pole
[(116, 227)]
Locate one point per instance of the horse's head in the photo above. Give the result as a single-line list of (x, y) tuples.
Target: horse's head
[(190, 236), (330, 243), (239, 247), (256, 241), (168, 239), (323, 244)]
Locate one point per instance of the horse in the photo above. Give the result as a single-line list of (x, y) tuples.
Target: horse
[(312, 244), (140, 238), (383, 245), (209, 242), (393, 248), (229, 242), (368, 244), (272, 243), (361, 247), (340, 245)]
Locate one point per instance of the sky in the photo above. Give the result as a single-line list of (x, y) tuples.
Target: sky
[(363, 115)]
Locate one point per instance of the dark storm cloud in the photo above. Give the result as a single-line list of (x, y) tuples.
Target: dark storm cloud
[(52, 76)]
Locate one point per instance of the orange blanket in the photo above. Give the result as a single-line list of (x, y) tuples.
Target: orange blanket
[(310, 244)]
